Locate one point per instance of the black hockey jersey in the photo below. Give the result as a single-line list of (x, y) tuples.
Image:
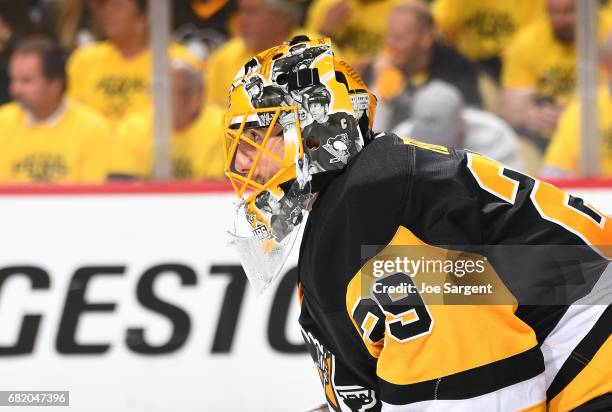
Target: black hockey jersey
[(530, 331)]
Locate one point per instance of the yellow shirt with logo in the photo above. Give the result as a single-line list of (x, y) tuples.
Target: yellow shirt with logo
[(100, 77), (564, 150), (73, 148), (361, 36), (536, 60), (223, 65), (196, 152), (481, 29)]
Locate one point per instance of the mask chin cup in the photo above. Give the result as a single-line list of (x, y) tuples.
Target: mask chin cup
[(262, 262), (265, 232)]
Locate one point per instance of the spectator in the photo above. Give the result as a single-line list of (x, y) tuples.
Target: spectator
[(539, 72), (14, 24), (412, 58), (204, 25), (439, 117), (607, 5), (481, 29), (197, 131), (261, 25), (356, 27), (114, 76), (72, 22), (563, 154), (44, 137)]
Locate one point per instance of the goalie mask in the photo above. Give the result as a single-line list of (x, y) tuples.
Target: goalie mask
[(294, 111)]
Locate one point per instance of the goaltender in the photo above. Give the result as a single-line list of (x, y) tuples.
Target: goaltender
[(542, 341)]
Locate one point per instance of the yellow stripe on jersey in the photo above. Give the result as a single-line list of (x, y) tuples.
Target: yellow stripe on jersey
[(489, 175), (541, 407), (427, 146), (459, 337), (353, 297), (330, 394), (552, 203), (594, 380), (592, 226)]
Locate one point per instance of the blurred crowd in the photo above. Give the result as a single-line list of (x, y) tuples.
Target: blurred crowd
[(497, 77)]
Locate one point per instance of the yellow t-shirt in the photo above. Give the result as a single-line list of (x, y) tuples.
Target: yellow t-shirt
[(608, 7), (74, 148), (481, 29), (564, 149), (536, 60), (223, 65), (196, 152), (361, 36), (100, 77)]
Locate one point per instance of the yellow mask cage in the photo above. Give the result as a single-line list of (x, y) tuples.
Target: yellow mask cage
[(235, 124)]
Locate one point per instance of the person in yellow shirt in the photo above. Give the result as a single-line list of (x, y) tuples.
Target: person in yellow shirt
[(608, 6), (356, 27), (114, 76), (481, 29), (563, 154), (261, 25), (45, 137), (539, 71), (412, 58), (197, 130)]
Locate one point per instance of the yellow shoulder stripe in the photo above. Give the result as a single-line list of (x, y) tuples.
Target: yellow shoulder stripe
[(427, 146)]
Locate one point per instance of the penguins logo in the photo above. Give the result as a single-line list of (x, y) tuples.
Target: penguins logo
[(338, 147), (357, 398)]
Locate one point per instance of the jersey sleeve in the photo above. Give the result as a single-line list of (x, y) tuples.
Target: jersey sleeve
[(478, 351), (536, 236)]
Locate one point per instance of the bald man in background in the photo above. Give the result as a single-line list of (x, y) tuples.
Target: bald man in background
[(196, 132)]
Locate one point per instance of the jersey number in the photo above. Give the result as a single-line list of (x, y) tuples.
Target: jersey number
[(551, 203), (403, 319)]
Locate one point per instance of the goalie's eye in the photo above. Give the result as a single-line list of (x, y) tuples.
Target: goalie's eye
[(254, 136)]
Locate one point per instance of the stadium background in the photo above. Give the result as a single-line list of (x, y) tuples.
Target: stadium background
[(123, 290)]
